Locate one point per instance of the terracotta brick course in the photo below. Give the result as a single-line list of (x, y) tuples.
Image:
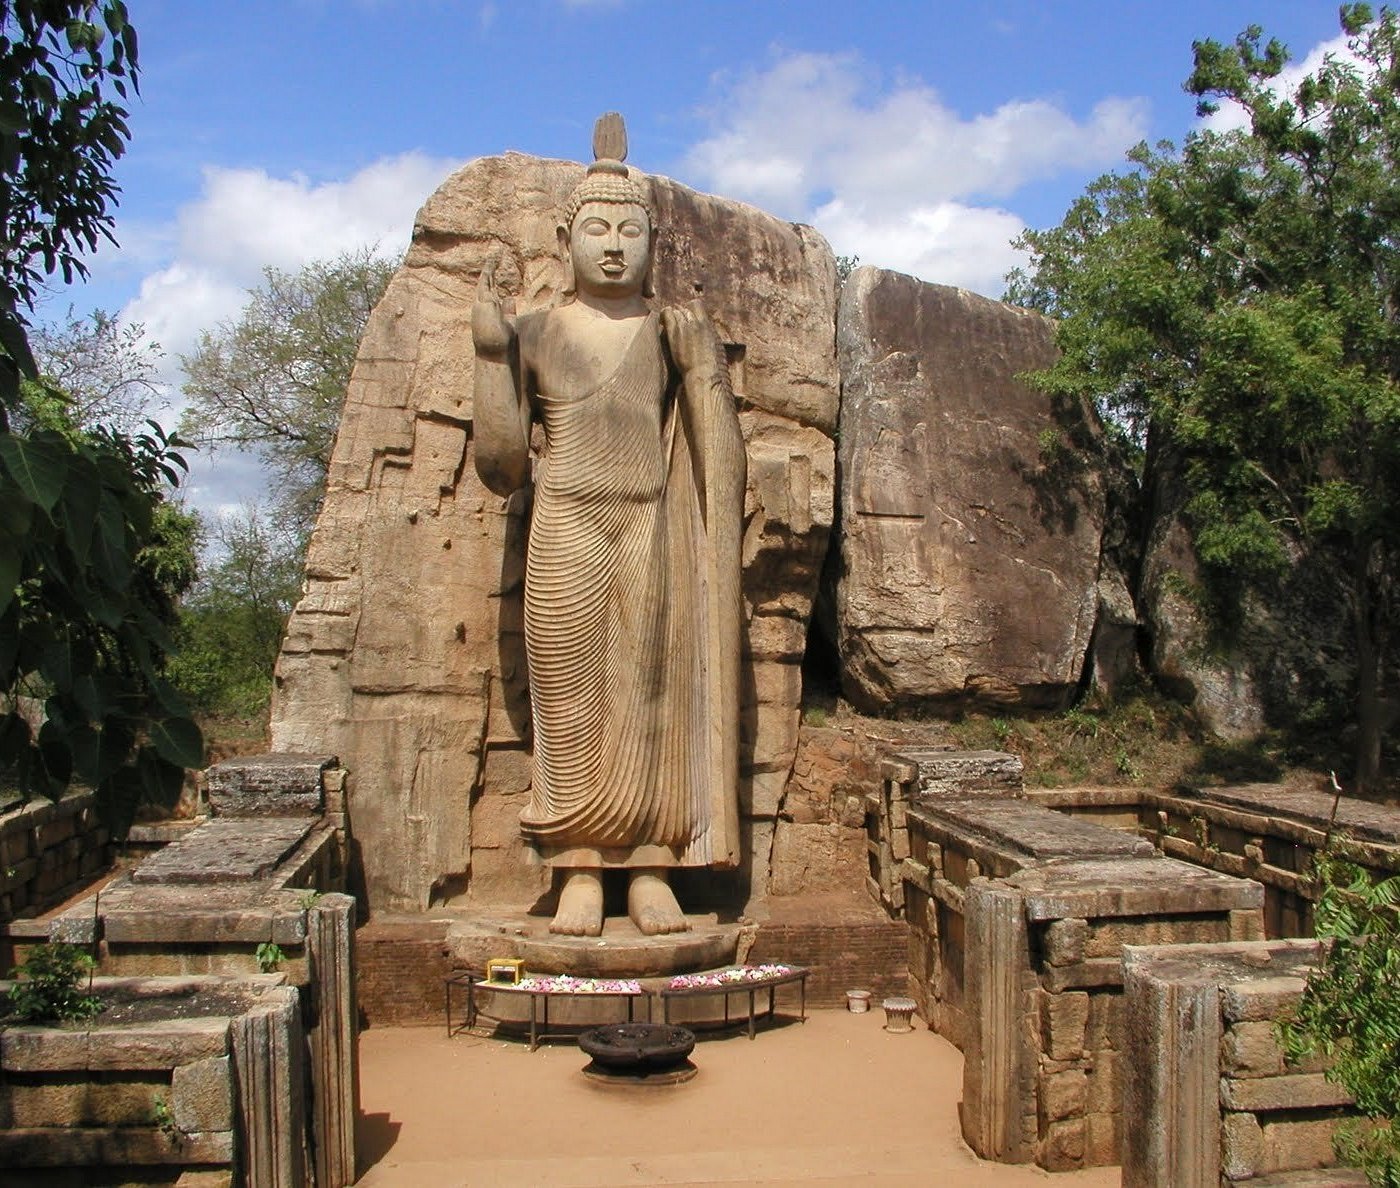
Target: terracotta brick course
[(399, 971)]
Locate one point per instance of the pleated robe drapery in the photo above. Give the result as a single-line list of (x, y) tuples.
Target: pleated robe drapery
[(631, 623)]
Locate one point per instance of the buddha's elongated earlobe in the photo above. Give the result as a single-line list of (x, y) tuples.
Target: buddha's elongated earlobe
[(649, 289), (562, 233)]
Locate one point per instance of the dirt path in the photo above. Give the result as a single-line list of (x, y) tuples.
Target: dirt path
[(836, 1100)]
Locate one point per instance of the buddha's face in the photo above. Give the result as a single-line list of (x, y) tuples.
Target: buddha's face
[(610, 248)]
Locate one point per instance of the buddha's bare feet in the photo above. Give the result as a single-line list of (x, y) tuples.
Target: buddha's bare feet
[(652, 904), (580, 910)]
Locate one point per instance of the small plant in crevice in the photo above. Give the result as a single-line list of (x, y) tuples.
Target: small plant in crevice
[(46, 989), (269, 956), (1350, 1010), (164, 1119)]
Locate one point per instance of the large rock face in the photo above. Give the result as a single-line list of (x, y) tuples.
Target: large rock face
[(969, 562), (405, 655), (1262, 671)]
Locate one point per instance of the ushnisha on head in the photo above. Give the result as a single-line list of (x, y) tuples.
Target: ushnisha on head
[(607, 235)]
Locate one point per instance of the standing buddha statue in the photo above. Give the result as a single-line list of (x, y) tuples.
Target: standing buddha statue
[(632, 601)]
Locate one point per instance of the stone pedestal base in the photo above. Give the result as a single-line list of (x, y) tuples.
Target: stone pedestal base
[(621, 952)]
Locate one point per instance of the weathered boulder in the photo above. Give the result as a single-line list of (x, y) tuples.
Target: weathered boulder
[(1185, 661), (969, 550), (405, 655), (1260, 670)]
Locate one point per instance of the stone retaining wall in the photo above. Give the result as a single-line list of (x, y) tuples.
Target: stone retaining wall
[(209, 1094), (1043, 982), (919, 775), (1017, 917), (951, 844), (256, 886), (48, 849), (1264, 832), (1210, 1098)]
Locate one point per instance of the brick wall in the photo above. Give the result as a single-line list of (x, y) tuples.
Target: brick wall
[(401, 963), (400, 966), (867, 955)]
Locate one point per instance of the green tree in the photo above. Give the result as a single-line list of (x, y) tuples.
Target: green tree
[(232, 622), (107, 369), (1350, 1010), (84, 618), (273, 381), (1234, 305)]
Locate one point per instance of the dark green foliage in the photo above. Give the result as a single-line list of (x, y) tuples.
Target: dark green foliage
[(47, 989), (1232, 306), (60, 133), (91, 562), (1351, 1010), (88, 559), (231, 624)]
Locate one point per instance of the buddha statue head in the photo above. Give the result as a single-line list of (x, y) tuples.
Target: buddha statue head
[(607, 236)]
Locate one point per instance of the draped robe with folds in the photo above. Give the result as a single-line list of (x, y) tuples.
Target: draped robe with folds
[(632, 619)]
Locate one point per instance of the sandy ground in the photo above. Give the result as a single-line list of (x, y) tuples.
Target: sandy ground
[(837, 1100)]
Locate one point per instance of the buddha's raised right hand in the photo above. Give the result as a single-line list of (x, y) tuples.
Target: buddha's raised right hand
[(491, 329)]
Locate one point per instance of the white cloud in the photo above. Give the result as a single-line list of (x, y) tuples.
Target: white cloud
[(948, 242), (893, 175), (1232, 117), (245, 220)]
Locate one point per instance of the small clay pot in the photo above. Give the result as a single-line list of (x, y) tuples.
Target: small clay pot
[(857, 1001)]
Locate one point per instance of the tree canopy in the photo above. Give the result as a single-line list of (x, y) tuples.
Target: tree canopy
[(90, 553), (1234, 305), (273, 381), (232, 620), (106, 369)]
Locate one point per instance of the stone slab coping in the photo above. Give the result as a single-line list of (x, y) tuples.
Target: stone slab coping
[(1255, 977), (1323, 1177), (917, 754), (226, 850), (1089, 796), (1359, 818), (186, 913), (36, 928), (39, 810), (280, 784), (161, 833), (1081, 890), (136, 1046), (937, 770), (1031, 830)]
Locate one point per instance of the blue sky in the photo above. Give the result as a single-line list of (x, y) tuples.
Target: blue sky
[(919, 136)]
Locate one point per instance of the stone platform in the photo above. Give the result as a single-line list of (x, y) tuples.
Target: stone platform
[(621, 951)]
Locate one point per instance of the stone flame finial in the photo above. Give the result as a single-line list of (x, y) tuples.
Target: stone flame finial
[(610, 137), (608, 179)]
